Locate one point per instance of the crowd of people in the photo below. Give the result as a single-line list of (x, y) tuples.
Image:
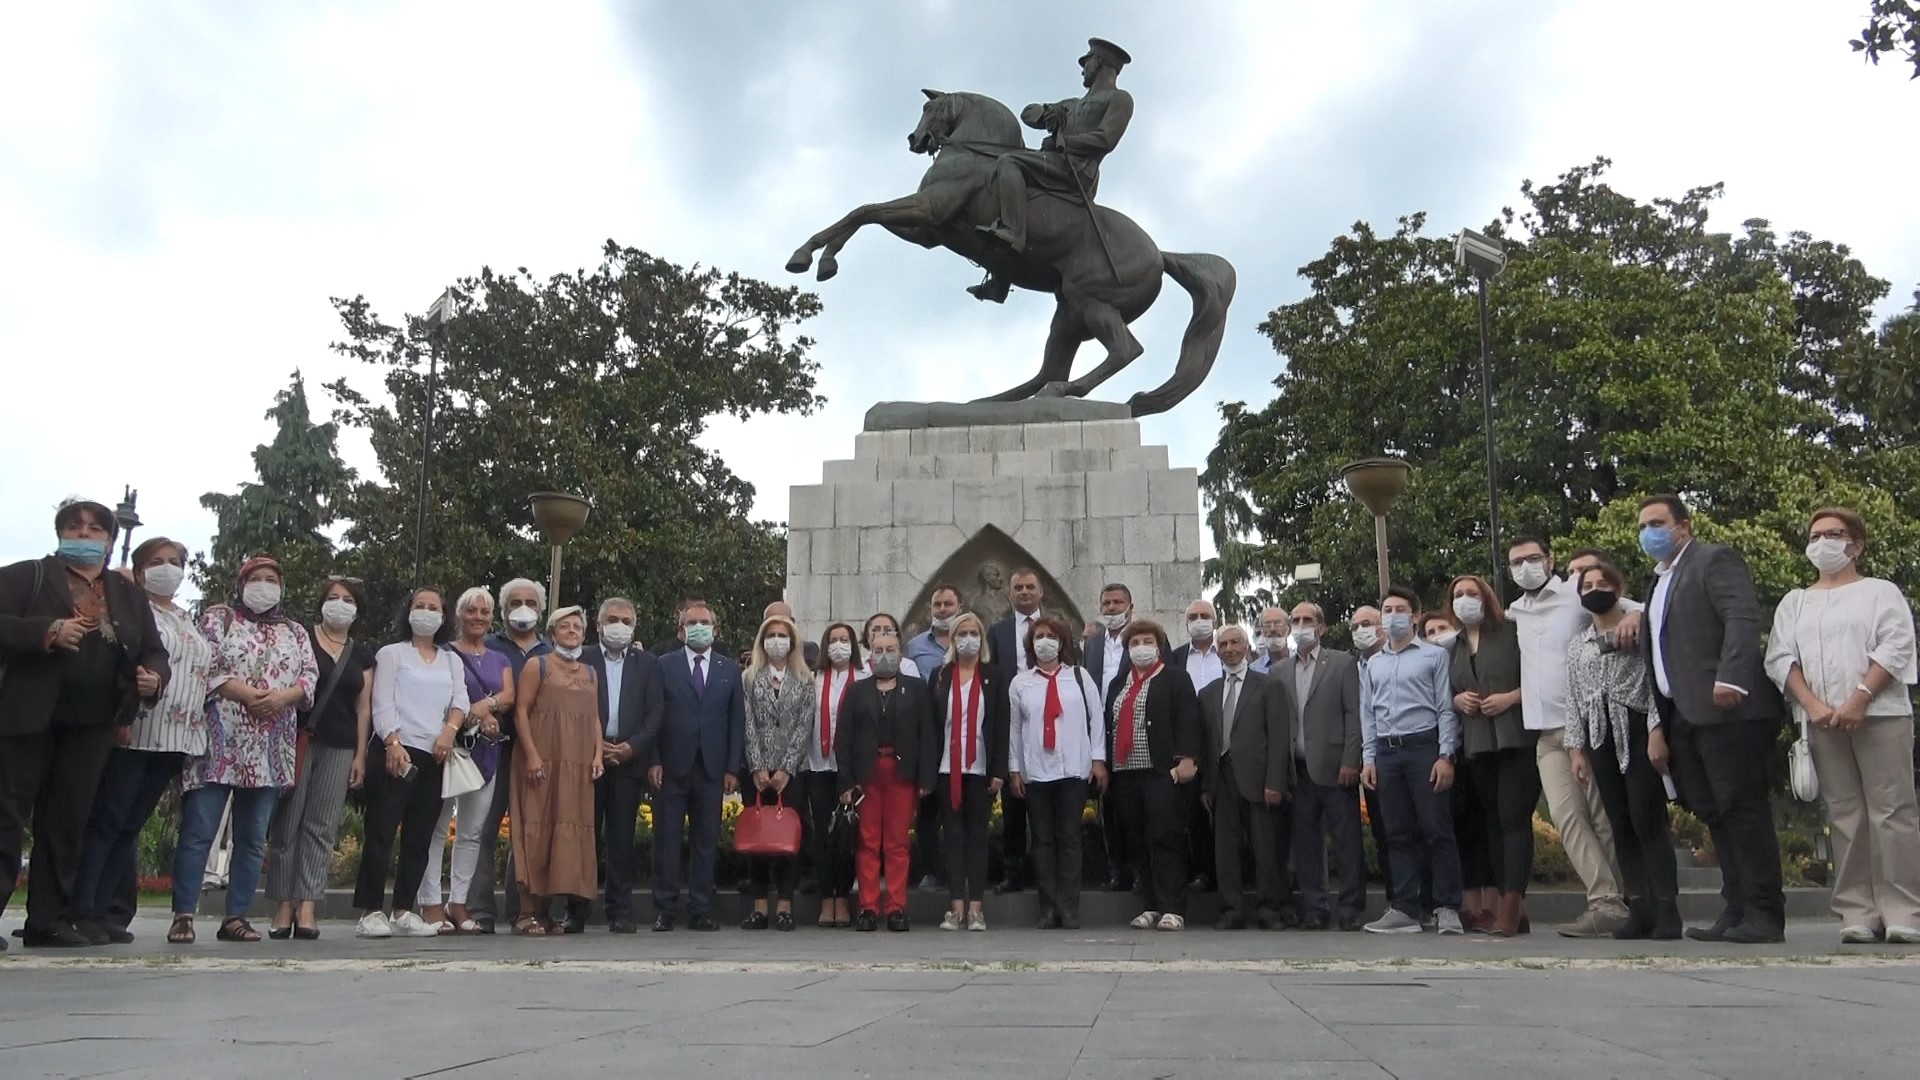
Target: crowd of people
[(1231, 752)]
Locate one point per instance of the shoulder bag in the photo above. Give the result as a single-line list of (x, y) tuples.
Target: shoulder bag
[(461, 775)]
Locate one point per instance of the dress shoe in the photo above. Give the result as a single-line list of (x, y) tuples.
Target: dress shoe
[(703, 923), (755, 920), (576, 926), (62, 936), (1011, 885), (993, 290), (1315, 920), (120, 935), (620, 926), (95, 933), (1755, 930), (898, 922), (1230, 920), (1639, 924), (662, 923), (1716, 932), (1269, 919), (1666, 920), (866, 922), (1352, 923), (1049, 921)]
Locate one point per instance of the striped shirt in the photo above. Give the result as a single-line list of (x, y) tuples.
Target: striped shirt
[(177, 723)]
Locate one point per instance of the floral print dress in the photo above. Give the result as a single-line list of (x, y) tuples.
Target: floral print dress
[(243, 751)]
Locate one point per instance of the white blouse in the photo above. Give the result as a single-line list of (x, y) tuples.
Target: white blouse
[(412, 696), (177, 723), (1079, 736), (959, 717), (834, 685), (1833, 633)]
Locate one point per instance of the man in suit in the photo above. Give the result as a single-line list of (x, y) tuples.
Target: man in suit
[(702, 742), (1244, 779), (1200, 656), (1007, 641), (631, 706), (1325, 691), (80, 651), (1718, 712), (1106, 660)]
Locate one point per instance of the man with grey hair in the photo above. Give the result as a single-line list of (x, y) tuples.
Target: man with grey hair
[(523, 605), (1270, 647), (631, 707), (1325, 685)]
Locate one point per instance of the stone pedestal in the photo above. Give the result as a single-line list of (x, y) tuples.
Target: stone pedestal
[(1082, 501)]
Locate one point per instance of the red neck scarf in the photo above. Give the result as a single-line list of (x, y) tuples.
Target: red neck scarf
[(972, 722), (1052, 711), (826, 712), (1123, 723)]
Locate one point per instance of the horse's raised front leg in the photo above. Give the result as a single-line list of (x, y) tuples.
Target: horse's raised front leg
[(1056, 362), (908, 211)]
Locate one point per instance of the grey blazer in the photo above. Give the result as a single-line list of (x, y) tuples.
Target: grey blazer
[(1710, 632), (1329, 712), (1259, 741)]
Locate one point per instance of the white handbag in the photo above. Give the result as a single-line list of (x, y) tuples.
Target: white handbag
[(1800, 770), (461, 775)]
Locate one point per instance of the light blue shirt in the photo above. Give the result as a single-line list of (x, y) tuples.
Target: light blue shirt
[(926, 653), (616, 670), (1264, 664), (1407, 691)]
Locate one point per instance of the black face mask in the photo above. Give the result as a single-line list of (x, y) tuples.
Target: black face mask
[(1600, 601)]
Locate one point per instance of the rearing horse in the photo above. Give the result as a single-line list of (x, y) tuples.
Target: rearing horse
[(1096, 300)]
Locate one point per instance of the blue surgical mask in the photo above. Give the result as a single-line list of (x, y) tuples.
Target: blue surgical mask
[(1659, 542), (1399, 625), (82, 553)]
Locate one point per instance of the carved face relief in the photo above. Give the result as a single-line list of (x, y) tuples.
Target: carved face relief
[(979, 568)]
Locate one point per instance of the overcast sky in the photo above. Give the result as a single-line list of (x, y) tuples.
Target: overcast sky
[(184, 185)]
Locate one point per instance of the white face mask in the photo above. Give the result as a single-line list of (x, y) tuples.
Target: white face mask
[(777, 646), (571, 652), (424, 623), (840, 652), (1236, 669), (1046, 649), (1827, 554), (1366, 636), (1530, 576), (1469, 610), (943, 623), (523, 619), (260, 596), (1200, 629), (967, 644), (616, 635), (1117, 621), (338, 614), (1143, 655), (1444, 640), (1304, 637), (164, 579)]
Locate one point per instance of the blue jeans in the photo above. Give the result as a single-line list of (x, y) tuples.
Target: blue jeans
[(1403, 769), (108, 887), (200, 811)]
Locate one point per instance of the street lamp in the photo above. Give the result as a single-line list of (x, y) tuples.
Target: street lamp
[(438, 315), (1377, 483), (128, 519), (559, 516), (1484, 257)]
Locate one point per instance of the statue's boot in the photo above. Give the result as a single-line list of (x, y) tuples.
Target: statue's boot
[(1006, 235), (993, 289)]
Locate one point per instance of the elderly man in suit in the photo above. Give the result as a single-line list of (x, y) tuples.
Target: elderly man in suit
[(702, 742), (1007, 641), (632, 704), (1325, 691), (1245, 775), (1718, 712)]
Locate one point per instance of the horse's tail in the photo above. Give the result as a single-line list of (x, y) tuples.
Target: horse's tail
[(1210, 280)]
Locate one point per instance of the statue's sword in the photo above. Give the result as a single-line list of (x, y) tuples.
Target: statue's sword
[(1099, 233)]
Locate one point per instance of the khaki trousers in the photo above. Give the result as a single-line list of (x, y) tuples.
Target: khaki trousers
[(1866, 778), (1582, 821)]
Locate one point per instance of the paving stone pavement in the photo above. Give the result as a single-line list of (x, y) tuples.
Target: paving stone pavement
[(1107, 1004)]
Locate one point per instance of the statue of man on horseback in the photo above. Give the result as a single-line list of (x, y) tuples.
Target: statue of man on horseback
[(1028, 217)]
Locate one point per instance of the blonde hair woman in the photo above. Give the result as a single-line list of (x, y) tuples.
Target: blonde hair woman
[(779, 700), (970, 706)]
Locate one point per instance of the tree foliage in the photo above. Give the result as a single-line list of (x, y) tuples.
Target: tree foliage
[(1893, 29), (1634, 351), (300, 487), (600, 383)]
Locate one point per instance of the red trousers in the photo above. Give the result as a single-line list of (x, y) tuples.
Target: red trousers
[(885, 818)]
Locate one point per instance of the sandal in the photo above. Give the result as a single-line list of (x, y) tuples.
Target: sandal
[(237, 929), (181, 932), (528, 926)]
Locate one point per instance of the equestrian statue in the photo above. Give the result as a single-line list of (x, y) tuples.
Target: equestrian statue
[(1029, 218)]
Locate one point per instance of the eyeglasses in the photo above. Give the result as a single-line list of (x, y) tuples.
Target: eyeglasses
[(1526, 560), (1831, 534), (342, 579)]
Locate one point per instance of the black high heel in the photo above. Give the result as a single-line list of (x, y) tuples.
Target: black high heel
[(306, 933), (279, 933)]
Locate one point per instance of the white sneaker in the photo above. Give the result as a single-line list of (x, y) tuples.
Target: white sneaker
[(1394, 921), (410, 924), (1903, 935), (977, 921), (1447, 921), (374, 924), (1859, 935), (1146, 920), (950, 921), (1170, 921)]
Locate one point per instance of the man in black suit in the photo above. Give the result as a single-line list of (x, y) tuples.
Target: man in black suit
[(702, 742), (1718, 713), (1326, 750), (1244, 779), (1106, 660), (631, 707), (1200, 658), (1007, 641)]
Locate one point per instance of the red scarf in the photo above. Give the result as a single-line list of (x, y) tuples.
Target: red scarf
[(972, 720), (1052, 710), (1123, 721), (826, 714)]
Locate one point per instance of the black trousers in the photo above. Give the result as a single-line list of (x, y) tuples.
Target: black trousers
[(963, 835), (47, 781), (1013, 838), (480, 902), (1236, 819), (832, 854), (1636, 805), (616, 806), (408, 807), (1200, 842), (1474, 827), (1114, 840), (773, 874), (1720, 771), (1508, 785), (1152, 813), (1056, 806), (1317, 812), (926, 840)]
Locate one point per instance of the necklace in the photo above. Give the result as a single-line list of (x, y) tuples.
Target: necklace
[(337, 644)]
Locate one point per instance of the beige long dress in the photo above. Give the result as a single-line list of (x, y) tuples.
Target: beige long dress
[(553, 852)]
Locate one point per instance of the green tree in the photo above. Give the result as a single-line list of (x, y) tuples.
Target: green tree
[(600, 383), (301, 484), (1635, 351), (1893, 29)]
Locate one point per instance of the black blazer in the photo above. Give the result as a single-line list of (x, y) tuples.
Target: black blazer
[(1173, 718), (1262, 736), (996, 708), (916, 742), (31, 686), (642, 704), (1710, 633)]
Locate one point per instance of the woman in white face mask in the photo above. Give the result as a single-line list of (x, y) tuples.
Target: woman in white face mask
[(553, 776), (970, 710), (1154, 741), (779, 704), (164, 734), (820, 776), (263, 671), (1843, 651)]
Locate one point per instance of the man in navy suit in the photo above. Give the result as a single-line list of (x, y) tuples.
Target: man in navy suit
[(702, 741), (631, 706)]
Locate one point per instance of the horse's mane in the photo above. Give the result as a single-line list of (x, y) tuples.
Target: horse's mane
[(996, 121)]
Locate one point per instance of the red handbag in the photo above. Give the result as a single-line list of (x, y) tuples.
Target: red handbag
[(767, 830)]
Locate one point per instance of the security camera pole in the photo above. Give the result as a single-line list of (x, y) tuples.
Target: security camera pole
[(1485, 257)]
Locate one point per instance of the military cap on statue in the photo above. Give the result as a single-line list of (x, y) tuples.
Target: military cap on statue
[(1108, 51)]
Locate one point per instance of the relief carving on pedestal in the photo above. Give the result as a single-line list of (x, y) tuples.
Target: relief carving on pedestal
[(980, 568)]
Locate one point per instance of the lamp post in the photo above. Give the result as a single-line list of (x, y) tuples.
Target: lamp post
[(128, 519), (559, 516), (1377, 483), (1485, 257), (438, 315)]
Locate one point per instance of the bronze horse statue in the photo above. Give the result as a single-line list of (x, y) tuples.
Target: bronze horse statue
[(1101, 280)]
